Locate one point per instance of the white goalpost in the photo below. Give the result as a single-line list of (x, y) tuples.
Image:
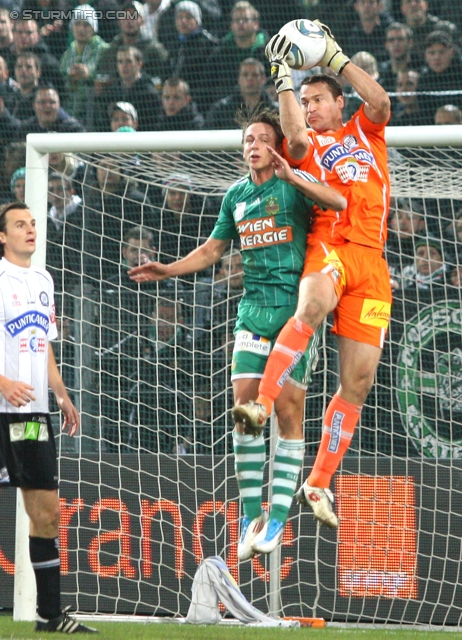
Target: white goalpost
[(148, 490)]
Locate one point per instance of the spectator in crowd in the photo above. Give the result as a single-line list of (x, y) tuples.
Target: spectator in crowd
[(212, 12), (450, 10), (407, 226), (108, 27), (53, 30), (153, 9), (48, 116), (9, 85), (409, 111), (70, 166), (64, 233), (244, 40), (182, 225), (26, 37), (153, 54), (6, 32), (125, 305), (180, 113), (123, 114), (453, 237), (368, 63), (274, 14), (368, 34), (424, 282), (161, 393), (191, 50), (455, 278), (448, 114), (112, 206), (80, 60), (422, 23), (7, 133), (399, 43), (217, 298), (249, 96), (125, 311), (133, 86), (139, 247), (442, 72), (18, 184), (14, 157), (27, 71), (426, 279), (5, 79)]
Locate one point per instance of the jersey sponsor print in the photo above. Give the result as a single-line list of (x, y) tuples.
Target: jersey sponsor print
[(27, 323), (352, 159), (271, 222)]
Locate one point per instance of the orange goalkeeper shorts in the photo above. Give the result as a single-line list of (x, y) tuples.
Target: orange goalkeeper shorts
[(362, 283)]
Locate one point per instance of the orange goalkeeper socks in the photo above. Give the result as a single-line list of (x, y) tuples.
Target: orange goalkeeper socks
[(290, 346), (339, 425)]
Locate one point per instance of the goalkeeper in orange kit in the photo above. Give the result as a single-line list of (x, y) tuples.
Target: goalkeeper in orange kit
[(344, 271)]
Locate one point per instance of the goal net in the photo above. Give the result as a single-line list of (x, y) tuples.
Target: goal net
[(148, 488)]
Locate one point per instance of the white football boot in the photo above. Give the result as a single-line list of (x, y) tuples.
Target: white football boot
[(251, 415), (322, 503), (269, 537), (249, 530)]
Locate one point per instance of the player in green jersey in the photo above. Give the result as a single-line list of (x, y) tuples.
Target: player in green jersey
[(268, 211)]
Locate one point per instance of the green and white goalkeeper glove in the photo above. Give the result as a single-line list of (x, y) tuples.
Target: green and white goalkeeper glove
[(334, 56), (276, 51)]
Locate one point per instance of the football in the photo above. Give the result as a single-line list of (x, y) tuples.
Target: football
[(308, 43)]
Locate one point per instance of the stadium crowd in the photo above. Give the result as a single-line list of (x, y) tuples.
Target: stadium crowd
[(186, 65)]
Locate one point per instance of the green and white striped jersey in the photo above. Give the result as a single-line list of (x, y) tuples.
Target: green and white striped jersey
[(271, 221)]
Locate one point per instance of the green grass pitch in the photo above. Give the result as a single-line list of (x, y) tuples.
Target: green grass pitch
[(10, 630)]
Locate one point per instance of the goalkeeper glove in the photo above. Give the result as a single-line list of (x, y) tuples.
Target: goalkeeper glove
[(334, 57), (276, 51)]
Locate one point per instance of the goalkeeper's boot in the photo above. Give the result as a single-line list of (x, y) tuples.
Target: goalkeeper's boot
[(63, 623), (270, 536), (322, 503), (251, 415), (250, 529)]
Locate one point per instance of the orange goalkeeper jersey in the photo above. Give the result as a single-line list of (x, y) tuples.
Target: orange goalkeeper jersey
[(354, 161)]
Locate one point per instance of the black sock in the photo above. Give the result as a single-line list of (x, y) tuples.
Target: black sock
[(44, 555)]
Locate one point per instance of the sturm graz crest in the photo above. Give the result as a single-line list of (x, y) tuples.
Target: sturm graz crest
[(429, 380)]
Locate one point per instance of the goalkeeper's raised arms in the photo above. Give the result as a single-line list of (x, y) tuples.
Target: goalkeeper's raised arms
[(334, 58), (276, 51)]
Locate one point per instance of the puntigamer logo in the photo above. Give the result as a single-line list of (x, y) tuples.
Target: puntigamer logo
[(429, 380)]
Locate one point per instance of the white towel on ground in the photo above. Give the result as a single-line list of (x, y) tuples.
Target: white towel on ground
[(213, 583)]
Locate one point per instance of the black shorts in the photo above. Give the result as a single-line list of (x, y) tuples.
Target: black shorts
[(28, 450)]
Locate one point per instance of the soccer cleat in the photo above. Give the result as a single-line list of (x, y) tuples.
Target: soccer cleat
[(252, 416), (270, 536), (63, 623), (250, 529), (322, 503)]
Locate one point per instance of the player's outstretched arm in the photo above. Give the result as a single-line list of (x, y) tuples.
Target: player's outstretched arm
[(292, 119), (325, 197), (71, 422), (377, 105), (204, 256)]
